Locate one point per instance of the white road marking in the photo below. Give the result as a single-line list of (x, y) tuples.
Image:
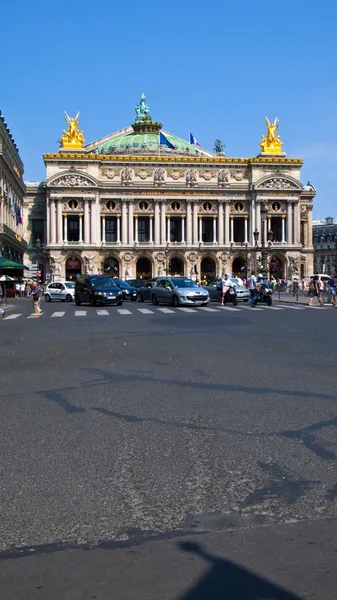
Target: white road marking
[(166, 310), (319, 307), (186, 309), (33, 316), (295, 307), (80, 313), (124, 311), (275, 307), (230, 308), (208, 309), (102, 313), (58, 314), (145, 311), (12, 317)]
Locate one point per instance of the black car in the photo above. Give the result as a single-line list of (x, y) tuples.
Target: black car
[(137, 283), (129, 292), (144, 292), (97, 289)]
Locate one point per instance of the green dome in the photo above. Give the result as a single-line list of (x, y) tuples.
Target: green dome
[(147, 143)]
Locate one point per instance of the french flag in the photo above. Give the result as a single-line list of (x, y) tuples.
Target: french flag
[(194, 140)]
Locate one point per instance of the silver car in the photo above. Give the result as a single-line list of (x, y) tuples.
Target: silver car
[(60, 290), (178, 291)]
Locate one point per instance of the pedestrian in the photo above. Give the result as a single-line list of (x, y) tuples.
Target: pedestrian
[(314, 291), (22, 290), (225, 284), (333, 287), (17, 290), (252, 285), (36, 295)]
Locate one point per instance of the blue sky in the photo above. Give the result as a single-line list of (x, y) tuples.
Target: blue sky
[(215, 68)]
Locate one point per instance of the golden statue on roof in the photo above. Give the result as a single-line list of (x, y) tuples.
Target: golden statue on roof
[(72, 138), (271, 143)]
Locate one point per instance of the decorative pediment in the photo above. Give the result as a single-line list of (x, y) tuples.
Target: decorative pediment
[(72, 180), (278, 183)]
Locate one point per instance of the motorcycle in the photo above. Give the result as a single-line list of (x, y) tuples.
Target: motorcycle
[(231, 296), (264, 295)]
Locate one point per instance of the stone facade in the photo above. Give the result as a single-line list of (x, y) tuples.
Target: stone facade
[(325, 246), (12, 192), (140, 213)]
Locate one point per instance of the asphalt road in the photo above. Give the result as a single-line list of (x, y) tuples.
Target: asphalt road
[(168, 455)]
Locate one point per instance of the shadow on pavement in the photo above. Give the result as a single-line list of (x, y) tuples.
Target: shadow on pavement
[(227, 581)]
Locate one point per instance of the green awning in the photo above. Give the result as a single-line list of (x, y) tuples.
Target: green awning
[(10, 264)]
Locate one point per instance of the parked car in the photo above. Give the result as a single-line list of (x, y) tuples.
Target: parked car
[(241, 292), (178, 290), (137, 283), (129, 292), (97, 289), (144, 292), (60, 290)]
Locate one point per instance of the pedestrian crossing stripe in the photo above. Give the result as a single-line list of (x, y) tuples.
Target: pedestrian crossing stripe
[(169, 311)]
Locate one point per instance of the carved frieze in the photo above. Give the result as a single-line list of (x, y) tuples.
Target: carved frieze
[(207, 174), (191, 177), (110, 173), (143, 173), (72, 180), (239, 175), (159, 175), (278, 183), (126, 176), (175, 174)]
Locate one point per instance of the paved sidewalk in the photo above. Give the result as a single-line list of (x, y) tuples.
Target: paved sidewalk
[(288, 297)]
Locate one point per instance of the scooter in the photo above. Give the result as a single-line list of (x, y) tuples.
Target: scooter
[(231, 296), (264, 295)]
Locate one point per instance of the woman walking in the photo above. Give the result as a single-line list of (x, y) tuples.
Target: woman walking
[(314, 291)]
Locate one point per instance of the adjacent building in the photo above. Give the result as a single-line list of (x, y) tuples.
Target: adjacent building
[(325, 245), (12, 193), (143, 202)]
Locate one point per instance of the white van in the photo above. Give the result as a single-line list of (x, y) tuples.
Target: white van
[(321, 276)]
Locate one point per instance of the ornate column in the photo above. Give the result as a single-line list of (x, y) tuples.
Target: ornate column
[(136, 229), (103, 229), (98, 220), (59, 221), (93, 223), (200, 229), (232, 229), (227, 223), (124, 224), (131, 222), (183, 229), (246, 229), (252, 222), (258, 219), (283, 228), (156, 223), (118, 229), (65, 230), (189, 224), (163, 223), (86, 222), (289, 224), (195, 223), (168, 235), (80, 218), (151, 229), (214, 229), (297, 223), (220, 224), (52, 221)]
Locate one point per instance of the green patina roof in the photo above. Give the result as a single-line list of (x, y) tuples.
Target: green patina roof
[(147, 143)]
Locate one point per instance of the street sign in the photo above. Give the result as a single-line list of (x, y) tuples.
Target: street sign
[(38, 273)]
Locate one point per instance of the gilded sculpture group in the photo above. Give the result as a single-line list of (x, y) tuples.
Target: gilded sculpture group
[(74, 138)]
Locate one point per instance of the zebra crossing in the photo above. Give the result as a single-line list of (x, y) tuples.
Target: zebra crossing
[(153, 310)]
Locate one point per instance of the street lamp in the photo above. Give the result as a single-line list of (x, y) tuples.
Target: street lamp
[(245, 245), (270, 235)]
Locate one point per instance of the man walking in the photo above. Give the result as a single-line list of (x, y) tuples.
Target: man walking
[(36, 295), (252, 285)]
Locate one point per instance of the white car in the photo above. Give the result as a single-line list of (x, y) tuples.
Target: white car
[(60, 290)]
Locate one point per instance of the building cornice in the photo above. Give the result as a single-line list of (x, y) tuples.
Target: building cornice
[(258, 160)]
